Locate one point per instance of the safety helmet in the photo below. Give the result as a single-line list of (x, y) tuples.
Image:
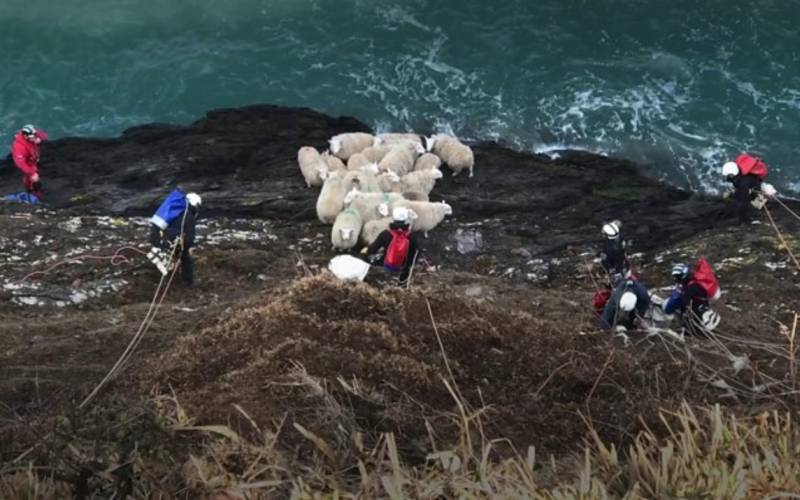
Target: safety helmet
[(730, 168), (710, 319), (194, 199), (627, 302), (400, 214), (611, 230), (29, 130), (680, 271)]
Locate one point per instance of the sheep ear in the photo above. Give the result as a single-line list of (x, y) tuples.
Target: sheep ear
[(383, 209), (336, 145)]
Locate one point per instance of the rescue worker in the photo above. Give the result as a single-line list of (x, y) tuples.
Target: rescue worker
[(25, 152), (746, 174), (172, 233), (627, 306), (690, 297), (400, 244), (612, 255)]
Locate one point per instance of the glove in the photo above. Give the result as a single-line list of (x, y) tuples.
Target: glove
[(35, 178), (364, 250), (726, 195)]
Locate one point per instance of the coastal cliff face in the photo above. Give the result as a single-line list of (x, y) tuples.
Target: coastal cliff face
[(506, 278)]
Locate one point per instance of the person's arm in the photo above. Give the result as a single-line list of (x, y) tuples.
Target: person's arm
[(675, 301), (23, 162), (380, 242), (189, 230)]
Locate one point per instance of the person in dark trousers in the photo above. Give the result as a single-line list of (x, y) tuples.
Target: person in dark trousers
[(627, 306), (175, 219), (746, 188), (612, 255), (690, 300), (400, 244)]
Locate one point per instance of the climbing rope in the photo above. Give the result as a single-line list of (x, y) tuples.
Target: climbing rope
[(781, 203), (155, 305), (781, 238), (115, 259)]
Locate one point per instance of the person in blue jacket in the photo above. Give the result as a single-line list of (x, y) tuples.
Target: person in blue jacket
[(691, 302), (627, 306), (172, 228)]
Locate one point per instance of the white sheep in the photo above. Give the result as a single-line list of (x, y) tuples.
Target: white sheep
[(426, 215), (415, 196), (367, 179), (333, 163), (421, 181), (331, 198), (373, 228), (372, 206), (392, 139), (427, 161), (346, 229), (346, 145), (376, 153), (399, 160), (357, 161), (456, 155), (311, 165)]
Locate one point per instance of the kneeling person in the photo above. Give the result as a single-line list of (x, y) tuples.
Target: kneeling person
[(627, 306), (172, 229), (400, 244)]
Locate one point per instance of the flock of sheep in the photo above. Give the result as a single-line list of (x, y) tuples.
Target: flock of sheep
[(364, 177)]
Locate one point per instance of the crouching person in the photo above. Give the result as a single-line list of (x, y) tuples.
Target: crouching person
[(400, 245), (627, 305), (172, 233), (690, 297)]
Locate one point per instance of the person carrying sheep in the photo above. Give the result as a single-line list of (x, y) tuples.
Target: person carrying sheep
[(400, 245)]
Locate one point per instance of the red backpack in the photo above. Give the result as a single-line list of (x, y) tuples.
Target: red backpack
[(397, 252), (599, 301), (704, 276), (749, 164)]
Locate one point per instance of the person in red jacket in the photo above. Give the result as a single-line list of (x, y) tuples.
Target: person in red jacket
[(25, 151)]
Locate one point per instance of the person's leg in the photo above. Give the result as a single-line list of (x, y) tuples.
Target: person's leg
[(187, 268), (742, 203)]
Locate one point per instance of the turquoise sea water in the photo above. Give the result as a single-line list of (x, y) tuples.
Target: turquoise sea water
[(679, 86)]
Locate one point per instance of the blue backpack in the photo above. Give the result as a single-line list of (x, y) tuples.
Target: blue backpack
[(171, 208)]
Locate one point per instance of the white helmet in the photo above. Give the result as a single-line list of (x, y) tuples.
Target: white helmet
[(627, 302), (29, 130), (730, 168), (400, 214), (710, 319), (194, 199), (611, 229)]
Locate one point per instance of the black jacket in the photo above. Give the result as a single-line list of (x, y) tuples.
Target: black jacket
[(383, 241), (612, 256)]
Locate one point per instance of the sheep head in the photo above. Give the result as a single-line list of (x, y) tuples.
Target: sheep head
[(371, 168), (429, 142), (346, 233), (412, 215), (383, 209), (446, 209), (352, 195), (391, 175), (335, 145), (324, 173), (436, 173)]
